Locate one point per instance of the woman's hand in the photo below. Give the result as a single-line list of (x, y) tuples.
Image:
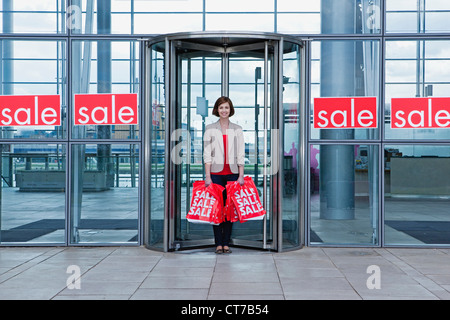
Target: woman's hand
[(208, 181), (241, 180)]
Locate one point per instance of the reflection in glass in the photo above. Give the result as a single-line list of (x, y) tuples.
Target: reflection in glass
[(246, 90), (421, 16), (155, 227), (25, 16), (344, 208), (416, 206), (105, 197), (32, 193), (291, 175), (349, 17), (197, 70)]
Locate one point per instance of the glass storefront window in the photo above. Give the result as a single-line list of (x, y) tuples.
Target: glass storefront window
[(29, 16), (105, 193), (32, 193), (114, 68), (156, 17), (416, 68), (344, 68), (33, 68), (416, 205), (344, 196), (417, 16)]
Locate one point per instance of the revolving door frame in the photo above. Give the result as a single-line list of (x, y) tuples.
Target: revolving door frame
[(172, 173)]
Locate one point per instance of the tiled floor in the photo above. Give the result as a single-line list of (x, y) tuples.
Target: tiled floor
[(138, 273)]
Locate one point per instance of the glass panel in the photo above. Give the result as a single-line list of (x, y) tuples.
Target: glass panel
[(160, 23), (350, 17), (416, 205), (158, 150), (345, 68), (239, 22), (200, 77), (105, 66), (438, 22), (291, 185), (29, 16), (402, 22), (34, 68), (168, 6), (416, 69), (298, 5), (32, 193), (105, 193), (246, 89), (100, 17), (298, 22), (417, 16), (328, 16), (344, 197), (241, 6)]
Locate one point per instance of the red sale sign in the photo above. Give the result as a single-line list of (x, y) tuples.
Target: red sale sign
[(408, 113), (41, 110), (106, 109), (345, 113)]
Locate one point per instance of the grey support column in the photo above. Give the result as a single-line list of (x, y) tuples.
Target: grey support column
[(337, 79)]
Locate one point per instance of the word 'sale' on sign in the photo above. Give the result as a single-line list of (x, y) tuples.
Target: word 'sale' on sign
[(410, 113), (106, 109), (345, 113), (30, 110)]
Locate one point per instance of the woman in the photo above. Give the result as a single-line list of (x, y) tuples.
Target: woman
[(223, 155)]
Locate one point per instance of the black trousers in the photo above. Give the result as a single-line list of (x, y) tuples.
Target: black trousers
[(222, 232)]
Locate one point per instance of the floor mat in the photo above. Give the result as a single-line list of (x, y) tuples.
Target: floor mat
[(33, 230)]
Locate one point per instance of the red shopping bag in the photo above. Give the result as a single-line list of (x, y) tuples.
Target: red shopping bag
[(230, 213), (218, 212), (206, 204), (247, 202)]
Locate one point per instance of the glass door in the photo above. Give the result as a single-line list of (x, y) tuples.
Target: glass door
[(252, 84), (197, 77)]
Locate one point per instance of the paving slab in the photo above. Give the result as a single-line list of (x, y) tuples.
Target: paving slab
[(136, 273)]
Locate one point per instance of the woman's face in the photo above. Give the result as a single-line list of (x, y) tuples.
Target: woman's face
[(224, 110)]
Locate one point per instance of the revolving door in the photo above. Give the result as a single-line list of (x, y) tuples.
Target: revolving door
[(263, 76)]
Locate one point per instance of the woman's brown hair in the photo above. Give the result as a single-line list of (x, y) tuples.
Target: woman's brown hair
[(219, 101)]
